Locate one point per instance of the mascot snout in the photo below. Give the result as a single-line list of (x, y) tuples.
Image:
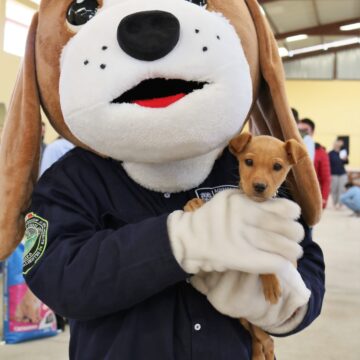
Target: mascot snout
[(148, 35)]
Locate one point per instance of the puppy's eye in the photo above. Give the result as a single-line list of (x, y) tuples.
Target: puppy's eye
[(249, 162), (277, 167), (81, 11), (198, 2)]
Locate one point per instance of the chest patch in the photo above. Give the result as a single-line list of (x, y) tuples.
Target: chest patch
[(35, 238), (208, 193)]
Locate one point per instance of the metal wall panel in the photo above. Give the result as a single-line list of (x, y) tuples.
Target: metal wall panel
[(317, 67), (348, 64)]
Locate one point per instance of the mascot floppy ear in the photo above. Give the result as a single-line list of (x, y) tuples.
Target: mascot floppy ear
[(271, 115), (19, 155)]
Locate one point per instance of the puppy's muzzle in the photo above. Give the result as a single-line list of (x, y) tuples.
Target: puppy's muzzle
[(148, 35)]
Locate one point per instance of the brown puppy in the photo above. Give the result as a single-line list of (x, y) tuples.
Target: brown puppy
[(264, 163)]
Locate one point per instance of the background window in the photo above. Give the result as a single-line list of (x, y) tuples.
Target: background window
[(17, 21)]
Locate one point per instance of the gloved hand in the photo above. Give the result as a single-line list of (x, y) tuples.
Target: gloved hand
[(240, 295), (233, 232)]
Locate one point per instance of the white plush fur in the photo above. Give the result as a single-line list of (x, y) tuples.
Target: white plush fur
[(252, 244), (292, 323), (195, 126), (173, 176), (240, 295), (259, 239)]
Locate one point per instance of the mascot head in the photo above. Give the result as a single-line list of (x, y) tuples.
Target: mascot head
[(160, 85)]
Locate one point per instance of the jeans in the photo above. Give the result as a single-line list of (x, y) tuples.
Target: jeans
[(352, 199)]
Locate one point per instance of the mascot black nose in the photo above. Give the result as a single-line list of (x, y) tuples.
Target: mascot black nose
[(148, 35)]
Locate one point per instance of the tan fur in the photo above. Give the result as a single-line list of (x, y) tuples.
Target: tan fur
[(39, 77), (265, 152)]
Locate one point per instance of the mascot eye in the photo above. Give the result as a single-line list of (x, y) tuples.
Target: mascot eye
[(277, 167), (198, 2), (81, 11), (249, 162)]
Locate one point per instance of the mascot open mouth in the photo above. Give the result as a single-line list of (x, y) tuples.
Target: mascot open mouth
[(158, 93)]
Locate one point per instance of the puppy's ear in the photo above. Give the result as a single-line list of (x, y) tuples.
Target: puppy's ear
[(238, 144), (295, 151), (19, 150), (271, 115)]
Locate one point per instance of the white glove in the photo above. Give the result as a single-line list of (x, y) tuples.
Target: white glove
[(233, 232), (240, 295)]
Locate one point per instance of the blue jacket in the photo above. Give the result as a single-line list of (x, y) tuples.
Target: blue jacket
[(106, 264)]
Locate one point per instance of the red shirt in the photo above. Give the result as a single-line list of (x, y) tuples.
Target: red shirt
[(322, 168)]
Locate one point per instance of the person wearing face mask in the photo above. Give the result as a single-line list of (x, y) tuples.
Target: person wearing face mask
[(321, 161), (338, 173), (306, 133)]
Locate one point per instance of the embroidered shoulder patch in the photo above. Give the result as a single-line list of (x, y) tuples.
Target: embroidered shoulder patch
[(36, 232), (208, 193)]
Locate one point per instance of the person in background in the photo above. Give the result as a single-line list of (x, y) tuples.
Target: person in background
[(351, 198), (338, 173), (344, 154), (321, 161), (354, 178), (295, 114), (308, 140), (53, 152)]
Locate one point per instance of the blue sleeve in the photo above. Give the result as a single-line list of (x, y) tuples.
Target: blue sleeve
[(50, 156), (87, 271), (312, 269), (53, 152)]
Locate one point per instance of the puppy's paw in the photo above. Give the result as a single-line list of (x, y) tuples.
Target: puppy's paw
[(269, 349), (271, 288), (258, 352), (263, 345), (193, 205)]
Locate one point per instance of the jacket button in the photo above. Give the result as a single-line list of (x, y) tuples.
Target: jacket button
[(167, 195), (197, 327)]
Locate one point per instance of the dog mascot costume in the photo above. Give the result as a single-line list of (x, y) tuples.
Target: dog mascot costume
[(151, 92)]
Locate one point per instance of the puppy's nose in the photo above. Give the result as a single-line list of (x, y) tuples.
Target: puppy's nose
[(259, 187), (148, 35)]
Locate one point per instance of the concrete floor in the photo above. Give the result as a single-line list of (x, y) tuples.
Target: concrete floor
[(334, 336)]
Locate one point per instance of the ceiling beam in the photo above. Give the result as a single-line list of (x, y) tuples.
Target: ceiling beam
[(327, 29), (321, 52)]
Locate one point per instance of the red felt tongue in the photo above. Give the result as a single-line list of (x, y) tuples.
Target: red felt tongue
[(159, 102)]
